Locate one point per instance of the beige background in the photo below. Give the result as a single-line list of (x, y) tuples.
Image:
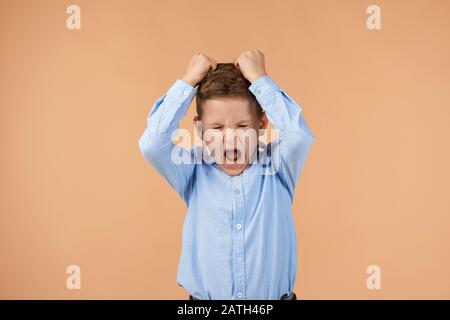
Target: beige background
[(76, 190)]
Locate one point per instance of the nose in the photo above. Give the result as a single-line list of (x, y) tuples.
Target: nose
[(230, 138)]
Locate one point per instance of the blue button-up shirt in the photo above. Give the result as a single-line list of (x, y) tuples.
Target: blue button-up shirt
[(238, 238)]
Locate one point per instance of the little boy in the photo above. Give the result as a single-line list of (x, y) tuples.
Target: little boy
[(239, 238)]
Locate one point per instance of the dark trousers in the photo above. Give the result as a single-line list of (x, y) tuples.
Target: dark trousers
[(291, 296)]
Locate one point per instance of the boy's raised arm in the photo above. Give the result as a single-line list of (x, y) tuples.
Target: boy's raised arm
[(163, 119), (284, 113)]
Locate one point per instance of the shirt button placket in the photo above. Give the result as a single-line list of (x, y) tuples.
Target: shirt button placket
[(238, 238)]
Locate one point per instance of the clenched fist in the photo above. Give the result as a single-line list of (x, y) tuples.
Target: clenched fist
[(252, 65), (198, 68)]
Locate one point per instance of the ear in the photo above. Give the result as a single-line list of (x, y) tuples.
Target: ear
[(198, 126), (263, 122)]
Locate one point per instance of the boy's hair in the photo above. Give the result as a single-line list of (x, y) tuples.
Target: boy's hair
[(225, 81)]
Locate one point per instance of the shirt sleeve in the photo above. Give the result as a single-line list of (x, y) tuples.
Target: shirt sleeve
[(156, 143), (290, 150)]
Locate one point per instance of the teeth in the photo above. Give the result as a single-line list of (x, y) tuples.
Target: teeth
[(232, 154), (229, 154)]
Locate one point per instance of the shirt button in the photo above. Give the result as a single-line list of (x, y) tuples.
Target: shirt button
[(258, 91), (237, 191), (239, 226), (238, 259), (186, 92), (239, 294)]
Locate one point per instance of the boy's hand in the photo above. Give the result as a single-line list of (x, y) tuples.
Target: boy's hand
[(197, 69), (252, 65)]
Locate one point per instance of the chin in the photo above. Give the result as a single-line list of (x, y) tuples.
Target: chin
[(233, 171)]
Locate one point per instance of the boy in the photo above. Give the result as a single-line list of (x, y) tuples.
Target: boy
[(239, 239)]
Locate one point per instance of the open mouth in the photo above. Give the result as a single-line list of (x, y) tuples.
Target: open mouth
[(232, 156)]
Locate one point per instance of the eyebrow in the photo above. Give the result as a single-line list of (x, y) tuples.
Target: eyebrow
[(243, 121), (219, 124)]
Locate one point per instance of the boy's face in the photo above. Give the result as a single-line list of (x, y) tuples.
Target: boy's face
[(230, 128)]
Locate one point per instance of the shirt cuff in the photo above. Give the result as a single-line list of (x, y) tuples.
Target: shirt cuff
[(263, 86), (264, 89), (181, 90)]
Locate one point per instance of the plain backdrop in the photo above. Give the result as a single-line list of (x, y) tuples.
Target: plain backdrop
[(75, 190)]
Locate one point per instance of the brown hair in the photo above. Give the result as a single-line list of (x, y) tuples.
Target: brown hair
[(225, 81)]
